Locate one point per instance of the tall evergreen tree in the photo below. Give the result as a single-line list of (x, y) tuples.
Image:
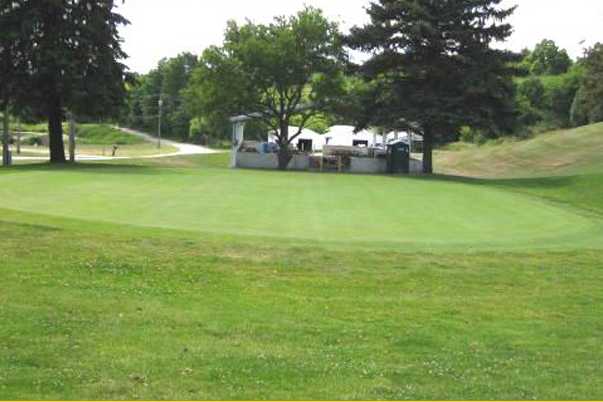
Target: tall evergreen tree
[(433, 69), (70, 53)]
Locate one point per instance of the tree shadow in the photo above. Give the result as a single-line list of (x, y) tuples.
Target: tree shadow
[(96, 168), (545, 182)]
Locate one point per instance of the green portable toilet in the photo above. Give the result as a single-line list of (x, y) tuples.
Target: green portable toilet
[(398, 157)]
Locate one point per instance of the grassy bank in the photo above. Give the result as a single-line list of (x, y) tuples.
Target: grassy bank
[(564, 152)]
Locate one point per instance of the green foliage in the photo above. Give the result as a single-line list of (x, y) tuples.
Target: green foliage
[(289, 70), (433, 68), (320, 123), (532, 90), (548, 59), (588, 105), (546, 102), (167, 82), (65, 54), (472, 135)]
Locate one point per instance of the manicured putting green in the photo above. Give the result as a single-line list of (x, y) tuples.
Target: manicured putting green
[(389, 211)]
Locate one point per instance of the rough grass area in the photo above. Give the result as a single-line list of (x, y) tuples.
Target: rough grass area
[(100, 311), (564, 152)]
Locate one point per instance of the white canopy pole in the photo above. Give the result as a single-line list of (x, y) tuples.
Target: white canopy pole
[(238, 136)]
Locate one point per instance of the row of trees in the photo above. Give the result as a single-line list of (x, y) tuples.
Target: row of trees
[(555, 92), (166, 83), (432, 70)]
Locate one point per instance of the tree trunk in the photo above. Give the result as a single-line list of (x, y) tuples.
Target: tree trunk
[(55, 131), (284, 155), (71, 137), (427, 152), (5, 138)]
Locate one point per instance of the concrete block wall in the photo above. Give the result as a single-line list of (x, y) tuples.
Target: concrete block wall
[(251, 160), (368, 165), (416, 166)]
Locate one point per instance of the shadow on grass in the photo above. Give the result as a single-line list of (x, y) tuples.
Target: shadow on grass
[(550, 182), (96, 168), (147, 169)]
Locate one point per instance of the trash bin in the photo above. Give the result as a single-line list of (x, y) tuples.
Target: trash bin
[(398, 157)]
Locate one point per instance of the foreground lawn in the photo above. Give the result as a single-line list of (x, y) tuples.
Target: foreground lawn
[(180, 279), (99, 311)]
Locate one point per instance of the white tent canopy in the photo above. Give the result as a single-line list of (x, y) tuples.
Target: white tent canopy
[(318, 141), (404, 136), (345, 136)]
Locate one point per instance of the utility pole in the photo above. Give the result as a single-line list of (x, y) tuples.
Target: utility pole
[(5, 139), (159, 125), (18, 133), (71, 137)]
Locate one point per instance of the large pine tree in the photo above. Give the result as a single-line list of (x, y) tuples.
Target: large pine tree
[(69, 58), (433, 69)]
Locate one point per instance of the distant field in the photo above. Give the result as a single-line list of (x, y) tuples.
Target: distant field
[(181, 279)]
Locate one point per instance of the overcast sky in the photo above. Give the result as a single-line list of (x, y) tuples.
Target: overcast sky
[(162, 28)]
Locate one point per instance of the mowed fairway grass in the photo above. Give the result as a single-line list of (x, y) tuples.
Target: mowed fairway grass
[(182, 279)]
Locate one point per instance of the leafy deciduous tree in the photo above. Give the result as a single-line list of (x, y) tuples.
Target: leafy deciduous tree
[(284, 72), (588, 105), (548, 59)]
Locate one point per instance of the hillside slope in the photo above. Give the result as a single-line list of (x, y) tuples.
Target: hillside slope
[(564, 152), (563, 166)]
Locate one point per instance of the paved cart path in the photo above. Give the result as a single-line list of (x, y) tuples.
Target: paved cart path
[(182, 150)]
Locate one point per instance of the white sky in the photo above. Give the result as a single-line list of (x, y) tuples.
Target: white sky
[(162, 28)]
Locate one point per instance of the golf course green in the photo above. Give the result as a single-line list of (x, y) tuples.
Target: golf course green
[(181, 279), (376, 211)]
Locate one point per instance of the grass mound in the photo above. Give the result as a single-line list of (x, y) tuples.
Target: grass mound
[(563, 152), (102, 134)]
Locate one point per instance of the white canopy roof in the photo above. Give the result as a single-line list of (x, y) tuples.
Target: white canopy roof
[(345, 136), (318, 141)]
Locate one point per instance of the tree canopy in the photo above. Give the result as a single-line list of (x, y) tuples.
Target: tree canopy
[(588, 104), (287, 71), (69, 57), (166, 82), (547, 59)]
